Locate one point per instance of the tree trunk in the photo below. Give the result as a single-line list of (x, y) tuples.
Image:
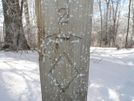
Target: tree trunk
[(115, 17), (127, 44), (133, 23), (64, 48), (106, 39), (100, 9), (26, 12), (14, 35)]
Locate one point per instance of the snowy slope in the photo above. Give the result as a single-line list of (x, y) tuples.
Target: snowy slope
[(19, 76), (111, 76)]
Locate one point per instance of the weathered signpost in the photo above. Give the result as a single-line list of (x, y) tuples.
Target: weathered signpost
[(64, 42)]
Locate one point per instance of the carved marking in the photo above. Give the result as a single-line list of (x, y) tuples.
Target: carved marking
[(64, 38), (57, 83), (63, 12), (64, 16)]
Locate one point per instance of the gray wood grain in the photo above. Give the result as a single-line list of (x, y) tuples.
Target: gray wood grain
[(64, 45)]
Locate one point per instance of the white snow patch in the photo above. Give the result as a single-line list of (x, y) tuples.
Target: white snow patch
[(110, 79)]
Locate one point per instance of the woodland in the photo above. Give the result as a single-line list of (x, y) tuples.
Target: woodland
[(67, 38), (112, 24)]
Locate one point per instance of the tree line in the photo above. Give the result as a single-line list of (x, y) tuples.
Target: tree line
[(113, 24)]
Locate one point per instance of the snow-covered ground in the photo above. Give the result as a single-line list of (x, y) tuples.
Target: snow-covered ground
[(19, 76), (111, 75)]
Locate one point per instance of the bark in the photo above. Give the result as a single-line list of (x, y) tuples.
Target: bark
[(14, 34), (101, 22), (115, 21), (127, 44), (26, 11), (106, 39), (133, 22)]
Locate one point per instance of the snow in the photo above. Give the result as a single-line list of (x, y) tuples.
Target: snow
[(111, 75), (19, 76)]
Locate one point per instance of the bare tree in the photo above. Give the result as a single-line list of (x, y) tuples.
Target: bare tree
[(129, 12), (100, 9), (106, 38), (132, 7), (107, 24), (14, 35), (115, 20)]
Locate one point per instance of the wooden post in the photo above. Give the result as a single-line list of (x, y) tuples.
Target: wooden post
[(64, 48)]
